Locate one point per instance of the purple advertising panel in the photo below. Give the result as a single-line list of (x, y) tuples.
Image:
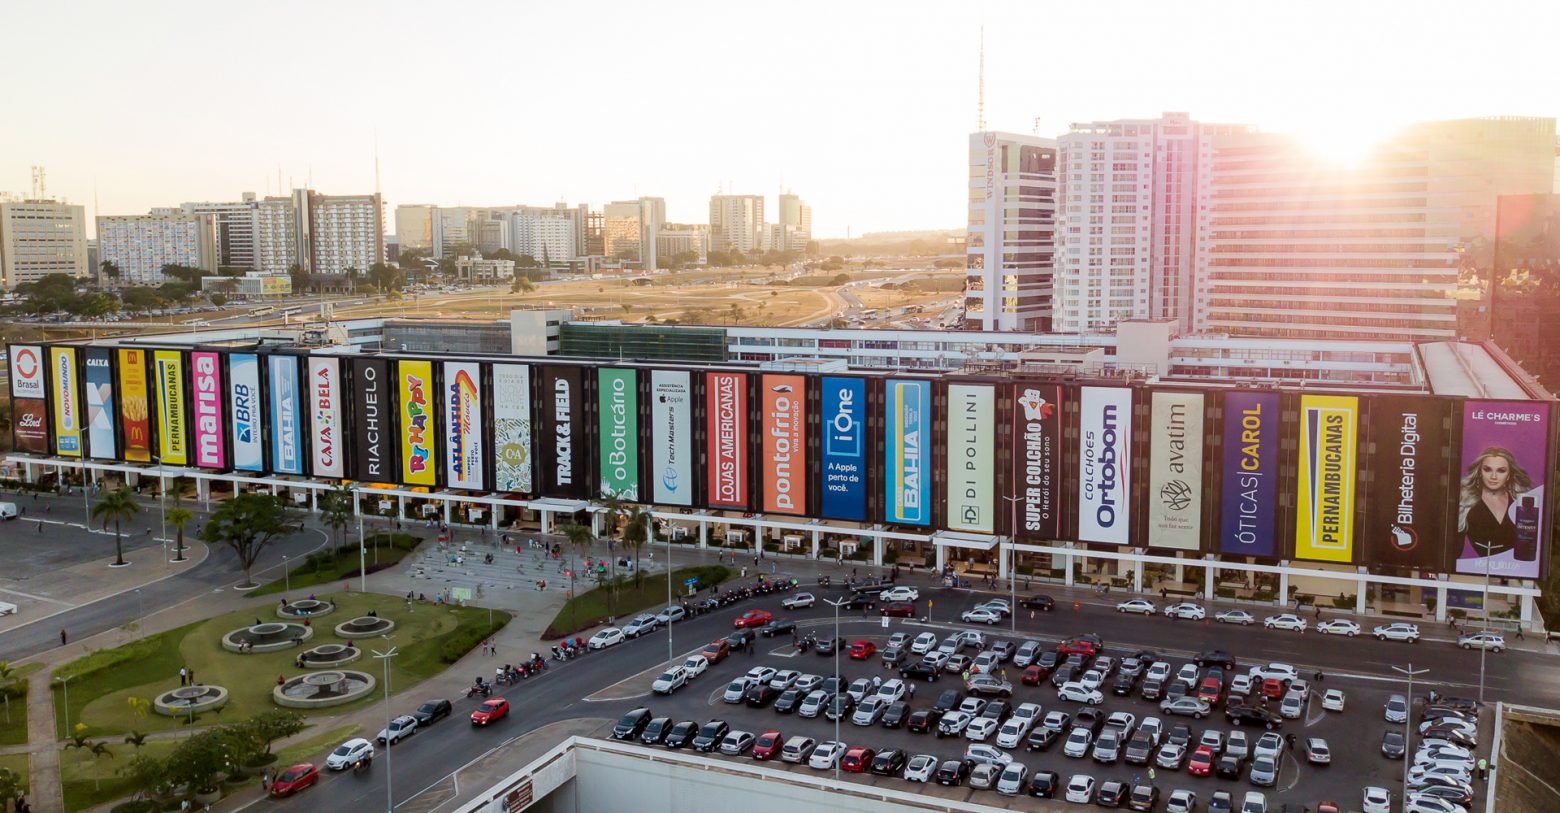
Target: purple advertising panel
[(1405, 508), (1501, 498), (1250, 498)]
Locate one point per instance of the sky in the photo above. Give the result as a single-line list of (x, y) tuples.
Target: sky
[(862, 108)]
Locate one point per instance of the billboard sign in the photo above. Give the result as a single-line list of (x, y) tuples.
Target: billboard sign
[(563, 432), (67, 401), (1502, 500), (1175, 471), (286, 419), (27, 371), (1249, 500), (31, 428), (244, 412), (1405, 513), (1324, 511), (844, 448), (135, 409), (372, 457), (784, 420), (907, 427), (512, 428), (325, 417), (1104, 463), (172, 432), (99, 377), (671, 433), (971, 457), (1037, 460), (617, 402), (206, 387), (465, 454), (415, 380), (726, 408)]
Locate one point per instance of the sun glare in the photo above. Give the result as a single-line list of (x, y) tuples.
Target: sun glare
[(1341, 145)]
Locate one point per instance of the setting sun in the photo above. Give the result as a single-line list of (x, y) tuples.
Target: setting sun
[(1342, 144)]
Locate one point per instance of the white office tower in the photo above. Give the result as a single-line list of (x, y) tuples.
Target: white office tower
[(234, 225), (737, 223), (39, 238), (545, 235), (1011, 237), (795, 223), (140, 245)]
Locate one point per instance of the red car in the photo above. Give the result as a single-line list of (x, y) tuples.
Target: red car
[(1201, 763), (490, 710), (768, 745), (857, 760), (754, 618), (899, 609), (1033, 675), (295, 779), (1210, 689), (1079, 646), (861, 650), (1273, 689)]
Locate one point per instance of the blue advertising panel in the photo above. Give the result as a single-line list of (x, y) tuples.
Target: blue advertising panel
[(844, 448), (100, 403), (1250, 498), (244, 404), (286, 427), (907, 451)]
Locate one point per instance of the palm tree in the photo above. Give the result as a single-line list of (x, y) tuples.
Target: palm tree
[(135, 739), (98, 751), (116, 507), (7, 680), (179, 516), (636, 534), (336, 509)]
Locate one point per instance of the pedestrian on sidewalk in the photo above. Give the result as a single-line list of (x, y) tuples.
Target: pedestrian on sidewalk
[(64, 639), (911, 689), (192, 677)]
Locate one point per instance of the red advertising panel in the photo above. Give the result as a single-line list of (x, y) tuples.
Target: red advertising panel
[(32, 429), (785, 443), (726, 412)]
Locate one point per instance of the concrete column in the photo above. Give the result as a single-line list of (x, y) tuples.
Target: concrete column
[(314, 500), (759, 536), (595, 524), (942, 558), (357, 503), (203, 489), (400, 506), (1440, 603), (1180, 571), (446, 505), (1004, 552), (877, 550), (1067, 569), (1283, 587), (493, 516), (545, 520), (1359, 597), (273, 486), (704, 534), (1137, 576), (1208, 579), (1526, 608), (816, 538)]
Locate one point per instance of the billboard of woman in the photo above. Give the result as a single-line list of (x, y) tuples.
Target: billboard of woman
[(1501, 499)]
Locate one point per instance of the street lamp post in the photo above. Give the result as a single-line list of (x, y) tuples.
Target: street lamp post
[(1484, 603), (1408, 719), (362, 550), (669, 655), (1012, 561), (834, 702), (65, 684), (140, 605), (384, 657)]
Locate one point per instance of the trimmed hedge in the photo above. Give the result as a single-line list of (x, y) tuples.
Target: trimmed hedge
[(465, 639)]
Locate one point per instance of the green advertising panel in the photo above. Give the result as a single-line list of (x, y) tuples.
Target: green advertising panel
[(619, 432)]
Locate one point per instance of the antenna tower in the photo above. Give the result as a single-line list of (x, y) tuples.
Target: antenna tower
[(980, 95), (40, 183)]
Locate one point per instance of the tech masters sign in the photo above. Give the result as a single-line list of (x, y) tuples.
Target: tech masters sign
[(172, 428), (1175, 455), (907, 451), (671, 432), (1104, 444), (618, 405), (971, 457), (415, 382), (1324, 512), (465, 457), (512, 428)]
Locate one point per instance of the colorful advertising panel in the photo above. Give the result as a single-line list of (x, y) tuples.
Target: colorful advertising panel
[(617, 403), (671, 436), (30, 428), (135, 408), (465, 454), (1175, 471), (27, 371), (726, 409), (972, 457), (99, 376), (417, 432), (325, 423), (784, 418), (67, 401), (844, 448), (1324, 512), (512, 428), (286, 416), (244, 409), (1501, 522), (1405, 510), (372, 458), (1104, 465), (907, 428), (563, 432), (206, 389), (1037, 462), (172, 427), (1248, 523)]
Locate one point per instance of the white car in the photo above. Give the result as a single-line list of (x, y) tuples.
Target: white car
[(761, 674), (806, 683), (799, 601), (1079, 740), (348, 753), (826, 755), (813, 704), (399, 729), (1339, 626), (1028, 712), (1254, 802), (671, 614), (1236, 744), (923, 643), (611, 636), (696, 665), (1186, 610), (986, 755), (670, 681), (1377, 800), (1399, 631), (869, 712), (997, 605), (1078, 693), (858, 689), (980, 615), (1292, 706), (1240, 684), (1091, 679), (1467, 727), (1080, 789), (1234, 617), (736, 691), (1011, 782), (737, 743), (1432, 804), (892, 690), (1281, 671), (1483, 640), (920, 768), (980, 729), (1396, 709), (1137, 605), (952, 724), (784, 679), (641, 625), (1012, 733), (1181, 801), (1332, 700), (1451, 772), (901, 593), (1285, 621), (1317, 752), (1027, 652)]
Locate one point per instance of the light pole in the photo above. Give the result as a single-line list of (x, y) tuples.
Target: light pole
[(286, 575), (834, 702), (1484, 603), (669, 655), (141, 613), (1408, 720), (362, 549), (1012, 561), (65, 684), (384, 657)]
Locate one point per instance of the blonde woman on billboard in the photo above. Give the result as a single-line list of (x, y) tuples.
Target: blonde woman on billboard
[(1490, 489)]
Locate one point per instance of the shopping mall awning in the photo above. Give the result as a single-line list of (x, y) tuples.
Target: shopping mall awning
[(959, 539)]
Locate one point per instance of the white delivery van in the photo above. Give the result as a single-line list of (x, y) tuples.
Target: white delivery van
[(8, 511)]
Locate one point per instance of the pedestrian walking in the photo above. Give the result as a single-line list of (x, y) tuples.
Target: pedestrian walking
[(192, 676), (1519, 634), (1151, 775), (64, 639), (911, 689), (184, 676), (1289, 741)]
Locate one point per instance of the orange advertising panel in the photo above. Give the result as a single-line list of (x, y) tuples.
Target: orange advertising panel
[(784, 463)]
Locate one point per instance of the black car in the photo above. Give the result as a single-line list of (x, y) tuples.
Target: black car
[(762, 695), (920, 670), (1153, 689), (952, 772), (656, 730), (1041, 739), (631, 726), (789, 700), (1253, 715), (923, 720), (1048, 660), (1044, 784), (1392, 745), (949, 700), (896, 713), (682, 734), (1063, 674), (828, 645), (1180, 734), (1230, 767), (861, 601), (1091, 718), (895, 657), (1111, 794), (1455, 794), (998, 710), (739, 639), (1038, 601), (776, 627), (1139, 749), (889, 762), (1123, 684), (710, 735), (840, 707), (1215, 657), (436, 710), (1445, 712), (1144, 797), (1450, 734), (1459, 703)]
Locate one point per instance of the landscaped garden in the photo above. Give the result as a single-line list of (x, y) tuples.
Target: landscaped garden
[(332, 567), (595, 606)]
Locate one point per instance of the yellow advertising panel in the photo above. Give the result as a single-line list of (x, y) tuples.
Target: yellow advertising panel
[(135, 422), (172, 447), (417, 430), (67, 402), (274, 286), (1329, 433)]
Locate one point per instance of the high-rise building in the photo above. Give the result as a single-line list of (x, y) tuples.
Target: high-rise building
[(545, 235), (595, 234), (1011, 238), (630, 229), (795, 221), (235, 224), (454, 230), (414, 225), (140, 245), (1475, 161), (684, 239), (737, 223), (276, 235), (41, 237), (322, 234)]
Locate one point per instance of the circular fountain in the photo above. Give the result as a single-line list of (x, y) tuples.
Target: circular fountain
[(317, 690), (267, 637), (305, 608), (326, 656), (366, 626), (187, 700)]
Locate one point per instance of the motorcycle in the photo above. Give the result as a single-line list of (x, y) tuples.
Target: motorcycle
[(823, 581), (363, 764)]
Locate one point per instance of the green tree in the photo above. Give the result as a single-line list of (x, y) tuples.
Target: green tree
[(8, 679), (197, 761), (248, 523), (179, 517), (276, 724), (386, 278), (140, 298), (98, 750), (636, 534), (97, 303), (335, 506), (147, 775), (521, 285), (135, 739), (117, 507), (187, 274), (10, 787), (300, 278)]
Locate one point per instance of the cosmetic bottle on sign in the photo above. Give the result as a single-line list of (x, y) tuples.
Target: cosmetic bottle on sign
[(1527, 530)]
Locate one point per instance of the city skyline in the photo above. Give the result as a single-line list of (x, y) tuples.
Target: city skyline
[(865, 134)]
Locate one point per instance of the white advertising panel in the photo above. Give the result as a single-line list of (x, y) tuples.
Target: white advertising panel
[(1104, 446), (324, 398), (512, 428), (971, 457), (671, 436), (1175, 471)]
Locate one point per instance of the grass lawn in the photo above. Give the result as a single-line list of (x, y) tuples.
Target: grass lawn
[(15, 731), (143, 669), (17, 764), (591, 608), (335, 566), (302, 750), (88, 782)]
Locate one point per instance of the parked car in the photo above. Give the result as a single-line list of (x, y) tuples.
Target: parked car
[(797, 750), (981, 615), (1141, 606), (1186, 610), (432, 711), (1234, 617), (294, 779), (920, 768), (682, 735), (670, 681), (1338, 626), (1399, 631), (767, 745), (1285, 621), (1492, 641)]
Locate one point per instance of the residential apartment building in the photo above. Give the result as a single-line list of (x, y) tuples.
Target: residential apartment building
[(234, 224), (41, 237), (323, 234), (1475, 161), (414, 225), (737, 223), (548, 236), (276, 235), (454, 230), (679, 239), (140, 245), (1010, 241)]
